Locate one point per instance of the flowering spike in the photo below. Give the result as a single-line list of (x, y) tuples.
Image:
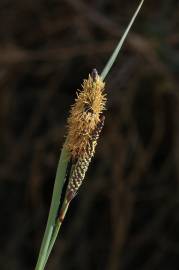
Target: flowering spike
[(82, 164), (85, 114)]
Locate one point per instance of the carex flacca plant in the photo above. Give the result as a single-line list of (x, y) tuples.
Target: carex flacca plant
[(84, 126)]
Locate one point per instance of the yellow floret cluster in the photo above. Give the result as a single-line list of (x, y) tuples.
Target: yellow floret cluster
[(85, 115)]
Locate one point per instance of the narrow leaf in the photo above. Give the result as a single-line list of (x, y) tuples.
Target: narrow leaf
[(119, 45)]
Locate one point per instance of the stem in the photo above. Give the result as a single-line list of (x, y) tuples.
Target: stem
[(41, 263), (57, 228), (59, 181), (119, 45)]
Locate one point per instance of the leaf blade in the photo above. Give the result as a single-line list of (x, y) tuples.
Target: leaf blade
[(120, 43)]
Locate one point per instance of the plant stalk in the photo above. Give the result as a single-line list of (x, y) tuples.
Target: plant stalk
[(57, 190), (57, 228)]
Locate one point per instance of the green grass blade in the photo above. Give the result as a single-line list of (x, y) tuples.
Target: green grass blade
[(119, 45), (57, 190)]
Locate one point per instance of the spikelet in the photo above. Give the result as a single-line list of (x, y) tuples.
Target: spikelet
[(85, 115), (81, 166)]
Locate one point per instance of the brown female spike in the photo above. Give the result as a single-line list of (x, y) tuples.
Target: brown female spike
[(82, 164)]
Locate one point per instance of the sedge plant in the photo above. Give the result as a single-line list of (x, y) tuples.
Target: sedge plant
[(84, 126)]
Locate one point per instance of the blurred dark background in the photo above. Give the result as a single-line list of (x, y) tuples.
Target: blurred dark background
[(126, 215)]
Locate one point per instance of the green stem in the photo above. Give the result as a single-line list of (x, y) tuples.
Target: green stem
[(59, 181), (42, 261), (57, 228)]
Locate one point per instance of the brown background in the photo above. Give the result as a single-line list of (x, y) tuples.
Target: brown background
[(126, 215)]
